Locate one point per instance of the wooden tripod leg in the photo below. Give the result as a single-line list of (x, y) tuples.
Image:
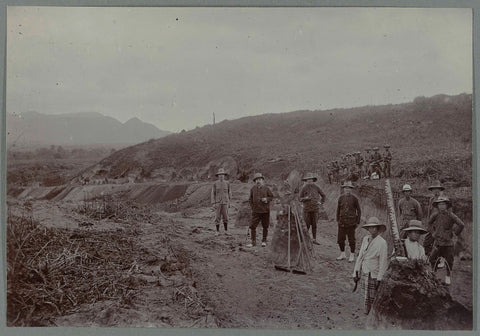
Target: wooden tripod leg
[(288, 251), (299, 241), (306, 257)]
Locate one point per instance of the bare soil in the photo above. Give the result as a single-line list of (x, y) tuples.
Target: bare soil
[(186, 276)]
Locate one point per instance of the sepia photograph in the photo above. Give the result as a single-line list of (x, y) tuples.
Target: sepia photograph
[(267, 168)]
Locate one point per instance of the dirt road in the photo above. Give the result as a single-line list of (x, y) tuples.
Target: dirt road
[(186, 276)]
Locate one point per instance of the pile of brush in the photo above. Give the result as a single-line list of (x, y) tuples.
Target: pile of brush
[(106, 207), (51, 271), (411, 297)]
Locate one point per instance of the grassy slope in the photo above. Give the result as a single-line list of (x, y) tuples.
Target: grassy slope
[(428, 131)]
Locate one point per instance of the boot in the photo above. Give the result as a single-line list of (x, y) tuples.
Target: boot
[(352, 257), (448, 281), (342, 256)]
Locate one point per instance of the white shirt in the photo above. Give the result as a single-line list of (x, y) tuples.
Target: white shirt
[(415, 250), (373, 257)]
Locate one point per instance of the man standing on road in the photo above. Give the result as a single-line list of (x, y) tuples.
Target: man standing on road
[(387, 162), (310, 197), (359, 163), (443, 224), (408, 208), (260, 198), (437, 189), (220, 198), (348, 218), (377, 162), (372, 261), (366, 162)]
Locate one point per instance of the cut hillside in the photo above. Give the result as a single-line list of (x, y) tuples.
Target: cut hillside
[(427, 135)]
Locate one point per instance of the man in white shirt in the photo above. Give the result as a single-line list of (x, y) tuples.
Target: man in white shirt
[(372, 261), (413, 248)]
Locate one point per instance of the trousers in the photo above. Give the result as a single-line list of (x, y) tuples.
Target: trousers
[(311, 218), (264, 218), (343, 233), (221, 211)]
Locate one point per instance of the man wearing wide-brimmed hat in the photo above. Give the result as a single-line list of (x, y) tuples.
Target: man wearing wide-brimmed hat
[(372, 261), (408, 208), (348, 218), (311, 196), (413, 248), (221, 195), (437, 189), (443, 224), (260, 198)]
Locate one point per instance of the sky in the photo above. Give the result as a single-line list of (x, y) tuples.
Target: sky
[(175, 67)]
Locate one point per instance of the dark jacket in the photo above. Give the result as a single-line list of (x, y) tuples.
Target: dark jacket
[(256, 195), (314, 193), (348, 211), (442, 225)]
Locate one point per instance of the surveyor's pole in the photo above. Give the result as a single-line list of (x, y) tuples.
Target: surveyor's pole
[(397, 242)]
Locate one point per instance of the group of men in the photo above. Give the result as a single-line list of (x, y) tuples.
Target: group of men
[(372, 260), (441, 226), (353, 166)]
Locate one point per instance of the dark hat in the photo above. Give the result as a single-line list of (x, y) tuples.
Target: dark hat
[(436, 185), (221, 171), (415, 225), (257, 176), (374, 221), (442, 199), (310, 176)]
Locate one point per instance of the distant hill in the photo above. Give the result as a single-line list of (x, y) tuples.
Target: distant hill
[(434, 131), (36, 129)]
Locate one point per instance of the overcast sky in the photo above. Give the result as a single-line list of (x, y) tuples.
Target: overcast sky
[(174, 67)]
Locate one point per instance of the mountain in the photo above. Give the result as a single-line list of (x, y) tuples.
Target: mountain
[(428, 132), (85, 128)]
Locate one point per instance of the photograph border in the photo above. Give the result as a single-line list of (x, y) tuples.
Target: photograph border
[(473, 4)]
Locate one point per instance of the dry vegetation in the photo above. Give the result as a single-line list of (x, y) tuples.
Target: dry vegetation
[(56, 272), (52, 271)]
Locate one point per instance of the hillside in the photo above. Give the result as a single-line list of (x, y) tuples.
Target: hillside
[(30, 129), (428, 132)]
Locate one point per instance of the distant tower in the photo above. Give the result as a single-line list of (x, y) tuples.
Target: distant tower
[(214, 118)]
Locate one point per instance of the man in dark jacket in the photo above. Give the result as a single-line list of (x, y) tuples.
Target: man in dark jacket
[(348, 218), (443, 224), (310, 196), (260, 198)]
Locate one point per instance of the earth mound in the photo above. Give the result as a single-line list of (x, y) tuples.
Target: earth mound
[(412, 297)]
